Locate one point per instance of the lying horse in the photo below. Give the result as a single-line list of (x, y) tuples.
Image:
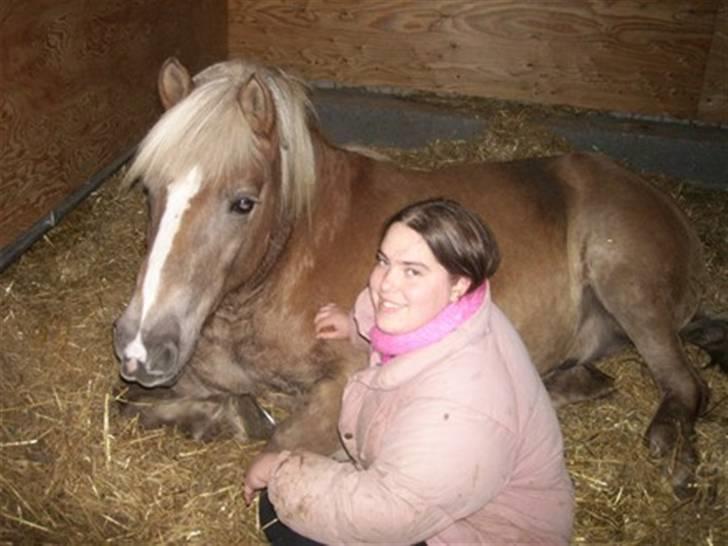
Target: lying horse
[(255, 220)]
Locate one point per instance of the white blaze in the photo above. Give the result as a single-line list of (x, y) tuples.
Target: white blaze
[(136, 349), (179, 194)]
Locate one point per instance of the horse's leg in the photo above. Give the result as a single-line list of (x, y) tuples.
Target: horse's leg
[(684, 398), (597, 336), (573, 382), (642, 310), (197, 410), (313, 425), (711, 335)]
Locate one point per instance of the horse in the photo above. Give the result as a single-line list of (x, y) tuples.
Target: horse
[(256, 220)]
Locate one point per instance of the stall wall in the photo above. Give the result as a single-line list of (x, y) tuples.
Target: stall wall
[(666, 57), (713, 105), (77, 89), (77, 78)]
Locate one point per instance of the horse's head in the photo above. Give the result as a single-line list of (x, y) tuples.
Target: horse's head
[(225, 169)]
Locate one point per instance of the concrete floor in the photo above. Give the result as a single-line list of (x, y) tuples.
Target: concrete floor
[(696, 153)]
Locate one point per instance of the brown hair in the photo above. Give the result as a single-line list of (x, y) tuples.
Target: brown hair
[(462, 243)]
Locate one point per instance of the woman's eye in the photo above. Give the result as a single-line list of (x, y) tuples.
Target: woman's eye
[(410, 272), (244, 205)]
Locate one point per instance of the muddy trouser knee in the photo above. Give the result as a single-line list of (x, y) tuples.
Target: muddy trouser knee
[(276, 532)]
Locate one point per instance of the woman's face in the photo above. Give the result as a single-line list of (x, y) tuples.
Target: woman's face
[(408, 286)]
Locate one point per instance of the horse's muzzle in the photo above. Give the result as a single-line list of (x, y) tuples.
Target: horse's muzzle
[(158, 371), (148, 359)]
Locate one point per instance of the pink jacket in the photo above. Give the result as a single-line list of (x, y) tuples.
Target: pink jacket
[(454, 443)]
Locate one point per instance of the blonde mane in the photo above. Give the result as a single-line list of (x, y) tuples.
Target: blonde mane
[(207, 129)]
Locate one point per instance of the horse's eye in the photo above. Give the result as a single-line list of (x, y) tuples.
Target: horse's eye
[(244, 205)]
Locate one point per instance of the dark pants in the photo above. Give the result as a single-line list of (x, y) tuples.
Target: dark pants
[(277, 533)]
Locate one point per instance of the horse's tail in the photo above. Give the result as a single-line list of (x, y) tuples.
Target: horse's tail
[(710, 333)]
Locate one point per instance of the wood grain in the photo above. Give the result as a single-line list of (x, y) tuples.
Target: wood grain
[(77, 78), (713, 104), (621, 55), (78, 88)]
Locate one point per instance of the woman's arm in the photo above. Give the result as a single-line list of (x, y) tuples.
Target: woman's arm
[(440, 462), (332, 322)]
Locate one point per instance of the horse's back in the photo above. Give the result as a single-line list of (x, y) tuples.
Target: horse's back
[(630, 233), (570, 228)]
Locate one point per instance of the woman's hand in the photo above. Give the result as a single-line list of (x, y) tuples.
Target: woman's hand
[(259, 474), (331, 322)]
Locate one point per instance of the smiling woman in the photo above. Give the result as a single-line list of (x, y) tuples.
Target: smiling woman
[(409, 287), (441, 243), (450, 434)]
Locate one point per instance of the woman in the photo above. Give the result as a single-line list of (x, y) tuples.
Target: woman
[(451, 435)]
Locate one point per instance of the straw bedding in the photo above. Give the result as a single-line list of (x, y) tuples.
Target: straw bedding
[(73, 472)]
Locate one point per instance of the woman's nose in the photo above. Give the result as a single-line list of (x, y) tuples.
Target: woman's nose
[(389, 280)]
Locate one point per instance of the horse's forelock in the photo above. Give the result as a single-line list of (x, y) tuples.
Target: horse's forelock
[(208, 130)]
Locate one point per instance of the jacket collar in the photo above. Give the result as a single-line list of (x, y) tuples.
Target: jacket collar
[(403, 368)]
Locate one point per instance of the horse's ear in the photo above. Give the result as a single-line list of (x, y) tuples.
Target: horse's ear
[(174, 82), (257, 106)]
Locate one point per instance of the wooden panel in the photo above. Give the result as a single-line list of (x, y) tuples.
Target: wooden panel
[(713, 105), (77, 88), (622, 55)]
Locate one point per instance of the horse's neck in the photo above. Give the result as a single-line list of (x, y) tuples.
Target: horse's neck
[(276, 246), (350, 173), (313, 233), (336, 172)]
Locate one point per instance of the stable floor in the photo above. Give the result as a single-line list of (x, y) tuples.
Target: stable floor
[(693, 152)]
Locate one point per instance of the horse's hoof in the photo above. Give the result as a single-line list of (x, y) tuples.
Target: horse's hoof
[(664, 441), (661, 438), (256, 422), (682, 478), (577, 383), (125, 404), (672, 429), (132, 399)]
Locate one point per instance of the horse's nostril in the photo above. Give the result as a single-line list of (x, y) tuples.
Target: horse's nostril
[(163, 359), (170, 352), (169, 355)]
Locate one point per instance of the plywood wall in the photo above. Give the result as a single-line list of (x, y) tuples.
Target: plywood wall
[(646, 57), (77, 77), (713, 105), (77, 89)]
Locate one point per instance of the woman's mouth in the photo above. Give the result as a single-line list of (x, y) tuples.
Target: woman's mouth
[(386, 306)]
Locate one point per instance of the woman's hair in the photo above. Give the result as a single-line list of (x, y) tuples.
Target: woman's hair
[(457, 237)]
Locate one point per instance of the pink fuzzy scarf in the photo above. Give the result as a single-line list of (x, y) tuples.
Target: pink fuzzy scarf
[(391, 345)]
